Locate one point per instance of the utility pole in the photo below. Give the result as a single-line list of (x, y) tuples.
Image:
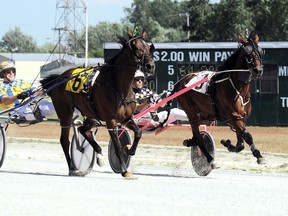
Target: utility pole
[(70, 29), (187, 24)]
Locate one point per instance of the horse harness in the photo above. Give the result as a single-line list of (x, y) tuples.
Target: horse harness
[(211, 91)]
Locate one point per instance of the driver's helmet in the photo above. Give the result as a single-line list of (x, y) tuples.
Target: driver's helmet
[(6, 65), (139, 73)]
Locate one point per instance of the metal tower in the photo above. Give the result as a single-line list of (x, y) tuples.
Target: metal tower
[(70, 32)]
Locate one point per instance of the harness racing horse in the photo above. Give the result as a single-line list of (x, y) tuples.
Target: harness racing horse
[(110, 102), (228, 99)]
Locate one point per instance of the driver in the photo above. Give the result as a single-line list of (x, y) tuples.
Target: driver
[(13, 91), (145, 97)]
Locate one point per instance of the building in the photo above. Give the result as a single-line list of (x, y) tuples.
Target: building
[(33, 66)]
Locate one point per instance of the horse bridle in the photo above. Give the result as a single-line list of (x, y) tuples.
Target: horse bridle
[(252, 53), (140, 59)]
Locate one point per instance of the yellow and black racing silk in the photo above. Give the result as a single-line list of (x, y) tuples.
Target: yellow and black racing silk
[(76, 85), (13, 88)]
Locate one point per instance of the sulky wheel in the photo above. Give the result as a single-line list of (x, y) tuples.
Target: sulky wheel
[(82, 153), (114, 161), (199, 161), (2, 144)]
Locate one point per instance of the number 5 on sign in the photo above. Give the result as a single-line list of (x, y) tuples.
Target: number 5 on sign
[(170, 70)]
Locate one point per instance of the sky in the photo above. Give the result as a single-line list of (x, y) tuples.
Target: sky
[(37, 18)]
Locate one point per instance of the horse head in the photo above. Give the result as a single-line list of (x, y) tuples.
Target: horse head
[(252, 54), (143, 52)]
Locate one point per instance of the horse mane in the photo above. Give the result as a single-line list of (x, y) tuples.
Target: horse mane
[(123, 41), (230, 61)]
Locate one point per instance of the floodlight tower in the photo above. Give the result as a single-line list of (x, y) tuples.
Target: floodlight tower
[(71, 28)]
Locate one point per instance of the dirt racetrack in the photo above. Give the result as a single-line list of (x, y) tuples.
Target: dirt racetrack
[(34, 178), (271, 141), (267, 139)]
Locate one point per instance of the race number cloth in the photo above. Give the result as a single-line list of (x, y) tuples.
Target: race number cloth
[(199, 76), (76, 85)]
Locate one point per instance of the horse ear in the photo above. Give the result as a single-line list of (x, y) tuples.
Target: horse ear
[(242, 39), (144, 34), (130, 34), (256, 39)]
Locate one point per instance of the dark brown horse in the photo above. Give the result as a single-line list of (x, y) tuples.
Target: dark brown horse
[(111, 101), (228, 99)]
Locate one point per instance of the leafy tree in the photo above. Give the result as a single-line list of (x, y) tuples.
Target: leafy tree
[(47, 47), (260, 11), (166, 21), (231, 18), (104, 32), (160, 18), (277, 20), (16, 40), (200, 15)]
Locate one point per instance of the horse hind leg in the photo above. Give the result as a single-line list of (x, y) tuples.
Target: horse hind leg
[(197, 139), (65, 144), (86, 131), (256, 153)]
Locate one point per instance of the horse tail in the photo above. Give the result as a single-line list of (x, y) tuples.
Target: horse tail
[(49, 81)]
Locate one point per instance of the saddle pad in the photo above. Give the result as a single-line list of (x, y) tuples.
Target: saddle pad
[(199, 76), (76, 85)]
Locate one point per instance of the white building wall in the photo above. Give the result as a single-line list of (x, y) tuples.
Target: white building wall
[(29, 70)]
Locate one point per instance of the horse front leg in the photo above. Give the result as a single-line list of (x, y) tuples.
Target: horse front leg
[(86, 131), (234, 148), (113, 132), (137, 135), (243, 134), (256, 153)]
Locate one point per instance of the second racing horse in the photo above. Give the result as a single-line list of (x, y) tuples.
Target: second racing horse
[(111, 99), (228, 99)]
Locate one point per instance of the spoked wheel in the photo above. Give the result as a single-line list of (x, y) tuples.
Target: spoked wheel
[(199, 161), (82, 153), (2, 145), (114, 161)]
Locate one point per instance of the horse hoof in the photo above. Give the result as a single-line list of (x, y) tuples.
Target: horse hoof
[(127, 148), (214, 165), (226, 143), (187, 143), (76, 173), (261, 161), (100, 159), (129, 176)]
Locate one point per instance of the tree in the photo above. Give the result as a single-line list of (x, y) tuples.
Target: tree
[(231, 18), (104, 32), (277, 20), (48, 47), (201, 29), (159, 18), (16, 40)]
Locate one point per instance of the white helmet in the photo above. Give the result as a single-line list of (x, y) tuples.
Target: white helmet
[(139, 73)]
